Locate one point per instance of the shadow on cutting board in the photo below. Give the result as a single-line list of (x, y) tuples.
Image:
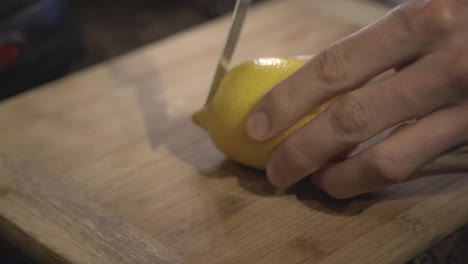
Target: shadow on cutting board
[(160, 127), (255, 182)]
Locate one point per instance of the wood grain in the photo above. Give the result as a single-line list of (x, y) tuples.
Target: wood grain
[(56, 226), (121, 135)]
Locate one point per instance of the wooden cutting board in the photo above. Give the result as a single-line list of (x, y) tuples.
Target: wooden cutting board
[(119, 135)]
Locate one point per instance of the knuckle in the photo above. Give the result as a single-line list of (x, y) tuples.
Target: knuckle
[(432, 18), (286, 101), (463, 108), (293, 155), (282, 99), (330, 64), (459, 69), (350, 118), (388, 166), (465, 122), (273, 99)]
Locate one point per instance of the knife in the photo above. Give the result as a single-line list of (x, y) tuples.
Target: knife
[(240, 12)]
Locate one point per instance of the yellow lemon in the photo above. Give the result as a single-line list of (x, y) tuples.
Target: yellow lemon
[(241, 88)]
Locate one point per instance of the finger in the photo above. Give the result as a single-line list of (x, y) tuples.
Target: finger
[(396, 158), (403, 65), (339, 68), (377, 78), (358, 116), (454, 161), (402, 127)]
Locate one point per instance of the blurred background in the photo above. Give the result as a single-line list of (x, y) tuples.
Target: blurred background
[(41, 40)]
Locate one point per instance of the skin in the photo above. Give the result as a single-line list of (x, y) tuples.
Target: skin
[(426, 43)]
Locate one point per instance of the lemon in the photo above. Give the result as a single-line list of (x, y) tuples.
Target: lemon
[(240, 89)]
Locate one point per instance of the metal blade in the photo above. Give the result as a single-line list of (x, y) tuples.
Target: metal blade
[(240, 12)]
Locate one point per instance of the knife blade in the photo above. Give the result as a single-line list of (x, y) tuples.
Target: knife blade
[(240, 12)]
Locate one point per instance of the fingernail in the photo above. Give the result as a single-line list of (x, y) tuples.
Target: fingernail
[(276, 175), (258, 125)]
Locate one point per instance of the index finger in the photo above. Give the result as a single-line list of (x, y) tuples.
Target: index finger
[(335, 70)]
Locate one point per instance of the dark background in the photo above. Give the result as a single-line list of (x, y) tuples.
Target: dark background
[(110, 27), (95, 31)]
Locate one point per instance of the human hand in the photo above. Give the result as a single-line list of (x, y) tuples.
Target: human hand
[(427, 41)]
